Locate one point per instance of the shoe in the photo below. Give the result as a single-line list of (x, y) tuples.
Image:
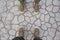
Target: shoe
[(36, 32), (20, 35), (21, 32)]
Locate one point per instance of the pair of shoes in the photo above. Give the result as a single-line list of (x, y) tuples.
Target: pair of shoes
[(21, 32)]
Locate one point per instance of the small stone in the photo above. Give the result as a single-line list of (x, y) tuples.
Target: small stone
[(59, 10), (52, 20), (3, 30), (44, 38), (4, 17), (58, 15), (17, 2), (4, 36), (2, 6), (49, 8), (42, 17), (41, 33), (10, 0), (3, 3), (49, 38), (9, 4), (57, 37), (1, 25), (27, 19), (46, 12), (48, 24), (54, 25), (44, 27), (57, 19), (24, 23), (32, 19), (31, 9), (29, 36), (42, 2), (47, 18), (38, 15), (37, 22), (43, 11), (9, 16), (55, 9), (15, 27), (42, 22), (59, 28), (46, 33), (58, 23), (51, 14), (15, 21), (29, 5), (48, 2), (56, 2), (7, 22), (43, 6), (27, 27), (28, 14), (21, 18), (17, 12), (51, 32), (2, 9), (7, 27), (11, 37), (14, 9), (26, 34), (0, 18), (12, 32)]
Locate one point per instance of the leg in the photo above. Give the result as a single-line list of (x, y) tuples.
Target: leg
[(18, 38), (37, 38), (21, 35), (36, 34)]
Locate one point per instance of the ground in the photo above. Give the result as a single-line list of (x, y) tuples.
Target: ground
[(47, 19)]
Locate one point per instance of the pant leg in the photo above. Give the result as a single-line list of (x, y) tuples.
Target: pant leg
[(18, 38), (37, 38)]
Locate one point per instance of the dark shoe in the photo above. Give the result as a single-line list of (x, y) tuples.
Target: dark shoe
[(18, 38), (37, 38)]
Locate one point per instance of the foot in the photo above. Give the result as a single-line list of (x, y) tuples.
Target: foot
[(36, 32), (21, 32)]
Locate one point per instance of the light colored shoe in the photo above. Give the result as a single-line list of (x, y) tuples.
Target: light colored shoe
[(36, 32), (21, 32)]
